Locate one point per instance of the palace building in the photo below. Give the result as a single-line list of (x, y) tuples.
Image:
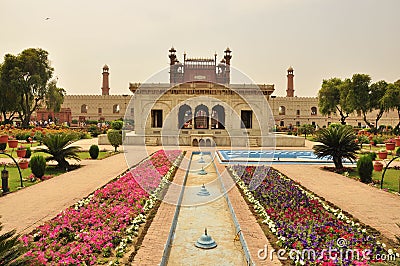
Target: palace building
[(200, 104)]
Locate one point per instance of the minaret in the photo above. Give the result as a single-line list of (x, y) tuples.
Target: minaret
[(290, 83), (105, 89), (227, 58)]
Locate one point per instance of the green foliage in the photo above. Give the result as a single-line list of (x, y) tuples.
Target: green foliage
[(371, 155), (117, 124), (94, 151), (38, 136), (59, 149), (54, 97), (332, 98), (365, 168), (398, 151), (3, 146), (38, 165), (114, 137), (307, 129), (11, 249), (74, 121), (25, 82), (94, 130), (363, 139), (377, 140), (28, 152), (337, 143)]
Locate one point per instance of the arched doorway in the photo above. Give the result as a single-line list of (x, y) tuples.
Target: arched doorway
[(201, 117), (185, 117), (195, 143), (208, 142), (218, 117), (202, 143)]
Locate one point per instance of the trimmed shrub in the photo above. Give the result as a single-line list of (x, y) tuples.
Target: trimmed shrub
[(94, 151), (365, 168), (28, 152), (115, 138), (3, 146), (38, 165), (372, 155), (117, 125), (398, 151)]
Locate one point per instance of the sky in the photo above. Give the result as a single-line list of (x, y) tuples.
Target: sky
[(321, 39)]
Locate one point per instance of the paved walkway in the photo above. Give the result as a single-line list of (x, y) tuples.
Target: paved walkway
[(152, 248), (370, 205)]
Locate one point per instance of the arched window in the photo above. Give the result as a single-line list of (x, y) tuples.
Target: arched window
[(84, 109), (201, 117), (185, 117), (282, 110), (298, 112), (313, 110), (116, 109), (218, 117)]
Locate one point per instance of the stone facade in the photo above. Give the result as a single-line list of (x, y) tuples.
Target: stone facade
[(196, 112), (296, 111), (98, 107), (207, 77)]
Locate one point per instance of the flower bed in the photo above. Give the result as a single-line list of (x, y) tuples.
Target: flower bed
[(101, 225), (302, 221)]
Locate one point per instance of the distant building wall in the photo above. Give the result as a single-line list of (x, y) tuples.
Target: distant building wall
[(98, 107)]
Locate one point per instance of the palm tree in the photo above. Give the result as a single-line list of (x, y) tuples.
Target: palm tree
[(337, 143), (57, 148), (11, 249)]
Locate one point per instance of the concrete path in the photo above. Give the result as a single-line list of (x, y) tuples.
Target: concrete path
[(371, 206), (152, 248)]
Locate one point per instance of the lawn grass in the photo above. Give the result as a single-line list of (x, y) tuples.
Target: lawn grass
[(390, 182), (102, 154), (14, 182), (83, 155)]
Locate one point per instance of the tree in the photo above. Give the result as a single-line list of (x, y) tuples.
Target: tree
[(359, 95), (54, 97), (307, 129), (58, 146), (332, 98), (115, 138), (337, 143), (11, 249), (8, 96), (28, 74), (377, 92), (391, 100)]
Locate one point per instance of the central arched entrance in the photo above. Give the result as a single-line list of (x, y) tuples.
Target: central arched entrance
[(201, 117)]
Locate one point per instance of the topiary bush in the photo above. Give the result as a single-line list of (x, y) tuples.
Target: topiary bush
[(115, 138), (372, 155), (38, 165), (3, 146), (28, 152), (94, 152), (398, 151), (117, 125), (365, 168)]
